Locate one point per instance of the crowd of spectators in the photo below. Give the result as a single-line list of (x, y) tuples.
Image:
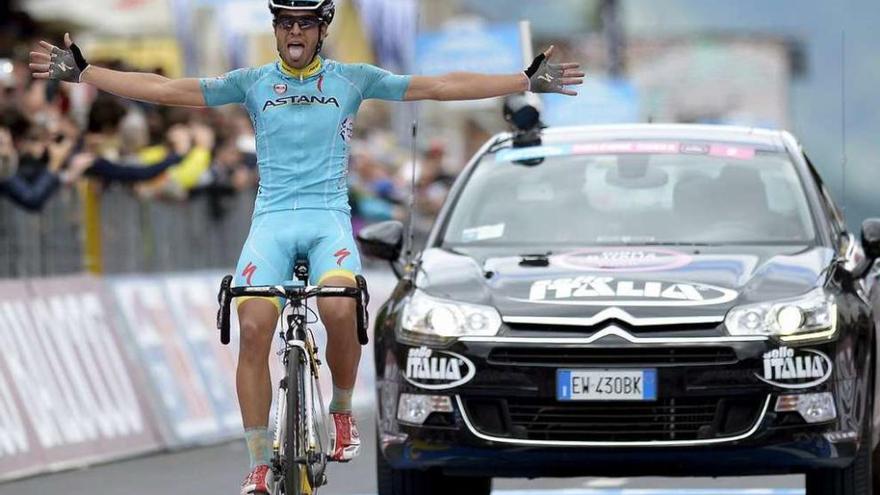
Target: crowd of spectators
[(55, 135)]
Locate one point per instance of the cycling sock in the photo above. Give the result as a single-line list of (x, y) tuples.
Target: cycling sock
[(259, 446), (341, 402)]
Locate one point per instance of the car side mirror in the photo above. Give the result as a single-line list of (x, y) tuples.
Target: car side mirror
[(383, 240), (871, 238), (870, 248)]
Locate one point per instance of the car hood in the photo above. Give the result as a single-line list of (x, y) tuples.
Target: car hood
[(642, 281)]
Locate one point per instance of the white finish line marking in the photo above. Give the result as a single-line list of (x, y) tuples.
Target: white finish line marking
[(646, 491)]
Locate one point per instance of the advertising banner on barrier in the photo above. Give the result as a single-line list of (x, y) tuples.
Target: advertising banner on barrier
[(171, 321), (69, 393)]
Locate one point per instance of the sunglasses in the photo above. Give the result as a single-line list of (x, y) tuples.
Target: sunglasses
[(305, 22)]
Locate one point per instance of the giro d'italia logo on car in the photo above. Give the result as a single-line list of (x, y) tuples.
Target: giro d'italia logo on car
[(788, 368), (610, 291), (437, 370), (621, 259)]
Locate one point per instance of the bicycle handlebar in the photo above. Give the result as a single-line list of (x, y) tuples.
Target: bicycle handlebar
[(293, 293)]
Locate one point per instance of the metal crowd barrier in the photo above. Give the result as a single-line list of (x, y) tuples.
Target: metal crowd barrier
[(136, 235)]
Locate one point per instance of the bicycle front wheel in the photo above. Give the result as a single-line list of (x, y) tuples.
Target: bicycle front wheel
[(296, 479)]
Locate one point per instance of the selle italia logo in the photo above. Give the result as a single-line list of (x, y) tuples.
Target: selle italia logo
[(789, 368), (437, 370)]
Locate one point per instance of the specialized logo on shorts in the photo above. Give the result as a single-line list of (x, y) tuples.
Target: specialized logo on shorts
[(300, 100), (346, 129), (280, 88), (341, 255), (248, 272)]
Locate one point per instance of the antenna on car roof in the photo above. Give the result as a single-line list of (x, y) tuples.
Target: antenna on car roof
[(412, 194), (843, 113), (408, 241)]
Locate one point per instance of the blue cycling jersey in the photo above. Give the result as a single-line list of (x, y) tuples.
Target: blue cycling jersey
[(303, 127)]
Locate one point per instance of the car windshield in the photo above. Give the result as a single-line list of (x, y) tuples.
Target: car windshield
[(642, 193)]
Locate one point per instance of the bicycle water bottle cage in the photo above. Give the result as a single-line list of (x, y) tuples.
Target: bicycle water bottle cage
[(301, 270)]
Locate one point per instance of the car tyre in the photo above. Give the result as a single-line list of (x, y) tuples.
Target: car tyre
[(428, 482), (855, 479)]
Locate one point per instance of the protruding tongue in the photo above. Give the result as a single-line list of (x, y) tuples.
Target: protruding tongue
[(295, 51)]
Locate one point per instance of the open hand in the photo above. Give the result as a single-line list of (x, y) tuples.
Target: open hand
[(51, 62), (546, 77), (77, 165)]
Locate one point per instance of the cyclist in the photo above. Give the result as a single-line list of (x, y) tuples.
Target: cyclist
[(302, 108)]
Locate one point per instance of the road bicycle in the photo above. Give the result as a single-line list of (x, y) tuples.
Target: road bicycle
[(301, 447)]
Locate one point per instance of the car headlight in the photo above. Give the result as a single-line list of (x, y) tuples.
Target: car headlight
[(430, 316), (806, 317)]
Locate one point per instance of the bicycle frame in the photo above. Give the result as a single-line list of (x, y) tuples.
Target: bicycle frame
[(297, 335)]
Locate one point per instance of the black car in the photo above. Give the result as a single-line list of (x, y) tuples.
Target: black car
[(677, 300)]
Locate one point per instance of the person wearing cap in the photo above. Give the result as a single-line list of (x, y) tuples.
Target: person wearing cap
[(303, 108)]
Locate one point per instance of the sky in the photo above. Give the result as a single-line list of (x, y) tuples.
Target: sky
[(819, 109)]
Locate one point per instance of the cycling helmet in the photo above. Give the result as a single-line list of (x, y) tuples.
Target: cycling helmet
[(325, 9)]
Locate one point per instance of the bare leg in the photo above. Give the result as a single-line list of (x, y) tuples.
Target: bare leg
[(257, 319), (343, 348)]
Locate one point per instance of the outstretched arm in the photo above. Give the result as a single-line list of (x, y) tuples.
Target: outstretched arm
[(69, 65), (31, 196), (541, 77)]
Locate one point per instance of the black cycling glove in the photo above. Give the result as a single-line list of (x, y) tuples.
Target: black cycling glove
[(544, 77), (67, 65)]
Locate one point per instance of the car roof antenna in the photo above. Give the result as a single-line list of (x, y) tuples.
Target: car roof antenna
[(412, 196), (843, 115)]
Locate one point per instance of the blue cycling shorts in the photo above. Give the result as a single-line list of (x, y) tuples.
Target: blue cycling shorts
[(277, 238)]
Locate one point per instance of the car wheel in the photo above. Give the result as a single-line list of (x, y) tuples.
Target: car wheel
[(428, 482), (875, 474), (855, 479)]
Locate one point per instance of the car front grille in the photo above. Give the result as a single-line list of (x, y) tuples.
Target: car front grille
[(702, 328), (666, 420), (612, 356)]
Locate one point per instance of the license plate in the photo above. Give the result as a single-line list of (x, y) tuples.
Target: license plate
[(606, 385)]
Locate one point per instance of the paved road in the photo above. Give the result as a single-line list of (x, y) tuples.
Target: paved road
[(218, 469)]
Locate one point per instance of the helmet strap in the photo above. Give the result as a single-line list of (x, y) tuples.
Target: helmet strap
[(319, 45)]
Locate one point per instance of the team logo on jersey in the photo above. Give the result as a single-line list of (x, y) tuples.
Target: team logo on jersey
[(321, 83), (300, 100), (346, 129), (280, 88)]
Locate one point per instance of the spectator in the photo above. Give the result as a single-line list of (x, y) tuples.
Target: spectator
[(33, 191)]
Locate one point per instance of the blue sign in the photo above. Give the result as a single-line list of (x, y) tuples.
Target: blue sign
[(599, 101), (493, 49)]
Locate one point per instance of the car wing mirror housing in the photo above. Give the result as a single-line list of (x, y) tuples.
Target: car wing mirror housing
[(383, 240), (871, 238), (870, 246)]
